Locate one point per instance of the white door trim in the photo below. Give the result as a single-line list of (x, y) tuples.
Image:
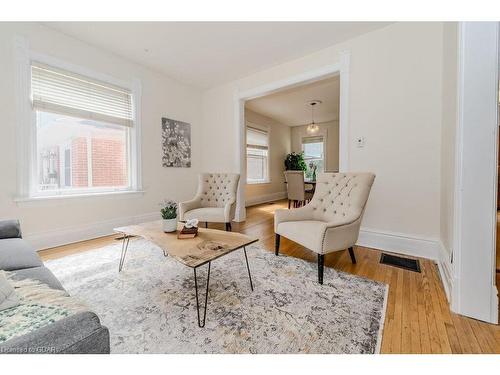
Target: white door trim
[(339, 68), (474, 291)]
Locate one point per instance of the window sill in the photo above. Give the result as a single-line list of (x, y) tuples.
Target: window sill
[(258, 182), (125, 193)]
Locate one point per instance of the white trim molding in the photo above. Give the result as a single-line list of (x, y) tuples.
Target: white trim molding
[(24, 140), (106, 194), (412, 246), (399, 243), (266, 198), (445, 270), (26, 132), (64, 236), (341, 68), (474, 292), (344, 134)]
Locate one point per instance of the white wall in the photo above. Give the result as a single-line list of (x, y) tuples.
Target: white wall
[(395, 103), (279, 146), (50, 222), (330, 132)]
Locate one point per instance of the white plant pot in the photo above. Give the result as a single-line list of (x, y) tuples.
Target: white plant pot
[(169, 225)]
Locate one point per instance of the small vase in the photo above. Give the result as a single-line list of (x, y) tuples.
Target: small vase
[(169, 225)]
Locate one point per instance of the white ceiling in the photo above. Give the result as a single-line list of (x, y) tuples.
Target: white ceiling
[(289, 107), (206, 54)]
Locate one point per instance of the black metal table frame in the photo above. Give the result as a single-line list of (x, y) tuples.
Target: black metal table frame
[(201, 323)]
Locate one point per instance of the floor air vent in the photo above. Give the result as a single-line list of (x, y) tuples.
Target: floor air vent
[(405, 263)]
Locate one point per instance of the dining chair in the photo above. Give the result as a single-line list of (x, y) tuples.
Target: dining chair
[(215, 201), (331, 221), (296, 188)]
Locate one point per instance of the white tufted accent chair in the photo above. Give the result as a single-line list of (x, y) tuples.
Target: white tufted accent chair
[(331, 221), (215, 201)]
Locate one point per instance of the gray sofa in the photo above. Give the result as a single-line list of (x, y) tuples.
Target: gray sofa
[(79, 333)]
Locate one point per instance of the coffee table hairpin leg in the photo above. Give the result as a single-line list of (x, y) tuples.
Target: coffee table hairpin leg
[(201, 324), (126, 239), (248, 268)]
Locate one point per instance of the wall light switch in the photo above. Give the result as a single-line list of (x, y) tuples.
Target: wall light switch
[(360, 142)]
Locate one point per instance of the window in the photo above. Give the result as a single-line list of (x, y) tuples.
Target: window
[(313, 148), (257, 156), (83, 134)]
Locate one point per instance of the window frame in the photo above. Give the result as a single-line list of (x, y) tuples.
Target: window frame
[(37, 194), (323, 140), (267, 130), (27, 134)]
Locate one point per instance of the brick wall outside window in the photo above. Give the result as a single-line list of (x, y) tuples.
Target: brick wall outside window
[(108, 163), (107, 158), (79, 173)]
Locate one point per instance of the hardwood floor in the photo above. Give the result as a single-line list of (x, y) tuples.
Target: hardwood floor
[(418, 318)]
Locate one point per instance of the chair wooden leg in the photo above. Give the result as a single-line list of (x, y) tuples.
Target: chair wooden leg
[(351, 253), (277, 244), (206, 224), (321, 266), (289, 202), (228, 227)]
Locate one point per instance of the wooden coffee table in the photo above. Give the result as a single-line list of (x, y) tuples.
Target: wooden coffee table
[(207, 246)]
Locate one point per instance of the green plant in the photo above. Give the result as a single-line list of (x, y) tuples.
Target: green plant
[(168, 209), (295, 162)]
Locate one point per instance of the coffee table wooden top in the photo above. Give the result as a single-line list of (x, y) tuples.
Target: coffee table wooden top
[(208, 245)]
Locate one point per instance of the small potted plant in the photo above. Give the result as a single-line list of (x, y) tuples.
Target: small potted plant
[(169, 215)]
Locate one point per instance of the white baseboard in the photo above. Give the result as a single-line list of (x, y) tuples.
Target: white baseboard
[(399, 243), (445, 270), (265, 198), (412, 246), (494, 306), (58, 237)]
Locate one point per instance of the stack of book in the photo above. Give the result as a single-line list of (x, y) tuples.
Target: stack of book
[(187, 233)]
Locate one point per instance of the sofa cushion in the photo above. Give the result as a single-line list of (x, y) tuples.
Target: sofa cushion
[(41, 274), (210, 214), (78, 333), (15, 253), (10, 229)]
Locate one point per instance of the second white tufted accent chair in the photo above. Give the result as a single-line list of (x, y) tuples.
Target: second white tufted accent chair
[(215, 201), (331, 221)]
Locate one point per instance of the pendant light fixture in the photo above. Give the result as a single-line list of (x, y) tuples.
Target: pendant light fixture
[(312, 128)]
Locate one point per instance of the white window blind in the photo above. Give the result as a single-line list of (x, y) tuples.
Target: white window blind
[(257, 139), (67, 93), (257, 155), (312, 140)]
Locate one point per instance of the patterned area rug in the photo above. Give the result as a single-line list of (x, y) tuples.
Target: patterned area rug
[(150, 306)]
